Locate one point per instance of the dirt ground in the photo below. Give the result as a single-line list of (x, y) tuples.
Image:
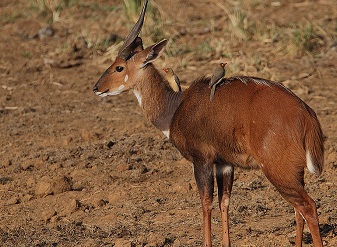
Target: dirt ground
[(80, 170)]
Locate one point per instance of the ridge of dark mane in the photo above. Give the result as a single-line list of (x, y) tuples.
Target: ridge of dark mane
[(245, 79), (257, 80), (202, 79)]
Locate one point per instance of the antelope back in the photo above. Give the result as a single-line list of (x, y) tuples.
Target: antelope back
[(251, 121)]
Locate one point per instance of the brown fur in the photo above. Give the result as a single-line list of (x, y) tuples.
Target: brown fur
[(251, 122), (245, 119)]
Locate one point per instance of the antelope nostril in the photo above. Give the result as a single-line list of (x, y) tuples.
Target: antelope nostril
[(95, 89)]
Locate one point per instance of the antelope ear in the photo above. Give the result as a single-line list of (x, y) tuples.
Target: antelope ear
[(137, 45), (154, 51)]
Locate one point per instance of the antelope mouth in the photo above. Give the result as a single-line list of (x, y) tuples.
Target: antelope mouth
[(102, 94), (107, 93)]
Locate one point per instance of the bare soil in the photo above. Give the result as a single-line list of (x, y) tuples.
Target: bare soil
[(79, 170)]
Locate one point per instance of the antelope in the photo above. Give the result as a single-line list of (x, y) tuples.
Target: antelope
[(251, 122)]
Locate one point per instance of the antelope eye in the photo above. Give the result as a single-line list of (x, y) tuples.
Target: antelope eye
[(119, 68)]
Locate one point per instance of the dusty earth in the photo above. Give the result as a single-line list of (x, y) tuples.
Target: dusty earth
[(79, 170)]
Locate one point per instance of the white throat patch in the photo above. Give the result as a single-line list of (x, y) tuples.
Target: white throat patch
[(167, 133), (138, 96)]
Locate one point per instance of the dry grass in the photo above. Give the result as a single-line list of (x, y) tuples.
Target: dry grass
[(132, 9), (129, 13), (51, 7), (153, 27), (304, 39), (239, 25), (238, 21)]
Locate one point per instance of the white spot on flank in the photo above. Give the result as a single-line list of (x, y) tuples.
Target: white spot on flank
[(126, 78), (167, 133), (121, 87), (310, 165), (138, 96)]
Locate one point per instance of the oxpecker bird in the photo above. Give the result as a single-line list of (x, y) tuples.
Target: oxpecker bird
[(173, 79), (217, 76)]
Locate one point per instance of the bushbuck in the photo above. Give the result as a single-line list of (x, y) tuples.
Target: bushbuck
[(250, 122)]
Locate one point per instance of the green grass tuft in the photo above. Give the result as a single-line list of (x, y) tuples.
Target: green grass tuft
[(304, 39)]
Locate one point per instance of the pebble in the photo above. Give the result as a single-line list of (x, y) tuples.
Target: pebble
[(120, 242), (6, 162), (48, 186)]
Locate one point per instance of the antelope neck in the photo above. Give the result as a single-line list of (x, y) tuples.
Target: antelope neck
[(158, 101)]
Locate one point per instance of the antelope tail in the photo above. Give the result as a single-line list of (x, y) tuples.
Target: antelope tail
[(314, 147)]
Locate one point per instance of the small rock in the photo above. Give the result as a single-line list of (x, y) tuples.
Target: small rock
[(176, 243), (71, 207), (332, 159), (6, 162), (54, 186), (100, 203), (110, 144), (303, 75), (13, 200), (27, 198), (45, 32), (61, 184), (54, 167), (122, 243), (30, 182), (123, 167), (26, 165), (54, 219), (43, 189), (48, 213), (151, 245), (155, 240)]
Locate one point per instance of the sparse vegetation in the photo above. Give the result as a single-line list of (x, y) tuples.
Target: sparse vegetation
[(132, 9), (53, 125), (304, 39), (50, 7), (267, 33), (151, 32), (26, 54), (10, 17), (238, 25)]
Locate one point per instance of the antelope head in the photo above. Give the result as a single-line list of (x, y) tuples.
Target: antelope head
[(130, 63)]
